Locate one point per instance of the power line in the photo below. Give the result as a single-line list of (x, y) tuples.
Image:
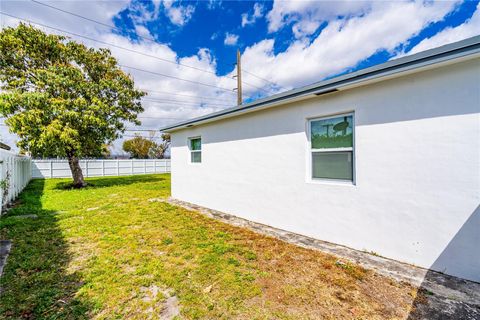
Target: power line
[(4, 125), (254, 86), (123, 48), (185, 106), (141, 117), (121, 30), (164, 75), (134, 136), (188, 102), (106, 43), (184, 95), (160, 118), (143, 130), (91, 20), (254, 75), (174, 77)]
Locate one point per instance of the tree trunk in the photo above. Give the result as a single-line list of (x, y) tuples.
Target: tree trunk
[(77, 174)]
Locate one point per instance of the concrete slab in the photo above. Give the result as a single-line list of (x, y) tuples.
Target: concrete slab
[(448, 297)]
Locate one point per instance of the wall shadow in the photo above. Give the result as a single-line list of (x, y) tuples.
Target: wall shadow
[(431, 304), (102, 182), (36, 283)]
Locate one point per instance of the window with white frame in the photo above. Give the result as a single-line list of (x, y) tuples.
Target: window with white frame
[(332, 147), (195, 145)]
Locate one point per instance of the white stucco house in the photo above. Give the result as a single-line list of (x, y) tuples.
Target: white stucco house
[(385, 159)]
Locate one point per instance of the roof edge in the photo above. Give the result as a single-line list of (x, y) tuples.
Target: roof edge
[(393, 67)]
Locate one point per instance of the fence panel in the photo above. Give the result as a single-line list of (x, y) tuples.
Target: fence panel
[(53, 168), (15, 173)]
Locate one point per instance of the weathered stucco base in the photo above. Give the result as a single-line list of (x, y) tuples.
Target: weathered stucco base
[(448, 297)]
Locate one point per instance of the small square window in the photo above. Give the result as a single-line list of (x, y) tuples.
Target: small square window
[(195, 145), (332, 149)]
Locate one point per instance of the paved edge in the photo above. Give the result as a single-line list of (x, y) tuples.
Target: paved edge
[(5, 246), (443, 285)]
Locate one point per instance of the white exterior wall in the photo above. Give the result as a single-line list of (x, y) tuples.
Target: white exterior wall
[(417, 158)]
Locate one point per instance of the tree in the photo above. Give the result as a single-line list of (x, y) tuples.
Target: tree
[(143, 148), (166, 138), (138, 147), (61, 98), (158, 151), (106, 151)]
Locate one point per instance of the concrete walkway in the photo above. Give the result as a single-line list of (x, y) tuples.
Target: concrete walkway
[(5, 246), (448, 297)]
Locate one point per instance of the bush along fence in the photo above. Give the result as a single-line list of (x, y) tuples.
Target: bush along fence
[(15, 173), (52, 168)]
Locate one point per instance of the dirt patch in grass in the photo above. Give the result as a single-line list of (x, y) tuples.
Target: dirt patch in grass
[(132, 258), (298, 283)]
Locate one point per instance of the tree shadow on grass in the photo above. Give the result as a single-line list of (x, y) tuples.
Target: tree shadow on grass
[(102, 182), (36, 283)]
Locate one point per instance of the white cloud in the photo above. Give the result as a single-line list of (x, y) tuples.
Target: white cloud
[(466, 30), (230, 39), (179, 99), (342, 44), (140, 14), (156, 4), (143, 31), (257, 14), (178, 14), (214, 4), (306, 16)]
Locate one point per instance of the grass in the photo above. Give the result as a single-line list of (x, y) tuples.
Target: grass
[(100, 253)]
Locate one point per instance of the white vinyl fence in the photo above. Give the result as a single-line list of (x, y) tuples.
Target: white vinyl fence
[(15, 173), (52, 168)]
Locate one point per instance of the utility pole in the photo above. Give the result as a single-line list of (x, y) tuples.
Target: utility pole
[(239, 79)]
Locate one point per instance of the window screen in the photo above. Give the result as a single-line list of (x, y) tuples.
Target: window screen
[(332, 147), (195, 150)]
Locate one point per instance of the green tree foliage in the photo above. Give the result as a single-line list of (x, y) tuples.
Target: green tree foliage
[(61, 98), (138, 147), (106, 151), (143, 148), (158, 151)]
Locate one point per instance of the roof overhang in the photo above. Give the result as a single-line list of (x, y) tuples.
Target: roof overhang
[(433, 58)]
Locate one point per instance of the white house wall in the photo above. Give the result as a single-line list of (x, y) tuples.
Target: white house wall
[(417, 169)]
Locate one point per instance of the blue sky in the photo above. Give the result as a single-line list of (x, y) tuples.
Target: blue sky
[(188, 48), (211, 22), (206, 29)]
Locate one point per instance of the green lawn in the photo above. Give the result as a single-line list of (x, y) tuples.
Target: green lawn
[(107, 252)]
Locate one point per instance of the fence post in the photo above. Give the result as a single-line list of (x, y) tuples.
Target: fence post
[(145, 166), (131, 165), (103, 168), (14, 178), (17, 166), (51, 168), (2, 166), (118, 167)]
